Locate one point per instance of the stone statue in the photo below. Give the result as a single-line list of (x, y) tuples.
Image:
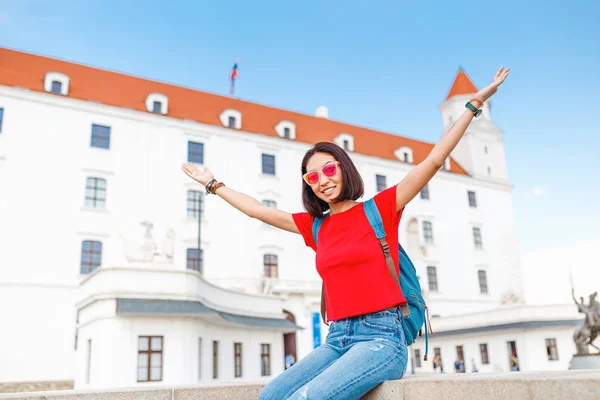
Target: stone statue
[(585, 335), (511, 297), (146, 249)]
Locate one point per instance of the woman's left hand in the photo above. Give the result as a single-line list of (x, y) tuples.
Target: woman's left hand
[(492, 88)]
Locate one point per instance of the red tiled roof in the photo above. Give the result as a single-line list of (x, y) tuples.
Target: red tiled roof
[(462, 85), (86, 83)]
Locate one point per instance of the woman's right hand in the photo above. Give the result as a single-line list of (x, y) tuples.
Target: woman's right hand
[(201, 175)]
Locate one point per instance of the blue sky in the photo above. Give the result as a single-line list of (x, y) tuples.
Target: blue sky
[(385, 65)]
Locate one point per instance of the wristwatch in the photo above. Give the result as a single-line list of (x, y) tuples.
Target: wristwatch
[(475, 110)]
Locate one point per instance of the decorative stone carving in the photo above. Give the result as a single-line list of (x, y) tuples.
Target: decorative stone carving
[(147, 249), (585, 335)]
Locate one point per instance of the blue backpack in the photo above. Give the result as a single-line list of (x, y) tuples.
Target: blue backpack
[(415, 314)]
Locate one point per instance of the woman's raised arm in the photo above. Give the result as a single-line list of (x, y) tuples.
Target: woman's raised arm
[(246, 204)]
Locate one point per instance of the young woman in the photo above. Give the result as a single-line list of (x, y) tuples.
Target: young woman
[(365, 344)]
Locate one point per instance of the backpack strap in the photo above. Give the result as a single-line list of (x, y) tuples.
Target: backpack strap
[(377, 224), (315, 232), (316, 227)]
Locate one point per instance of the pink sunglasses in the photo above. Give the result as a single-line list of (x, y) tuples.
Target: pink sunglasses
[(329, 170)]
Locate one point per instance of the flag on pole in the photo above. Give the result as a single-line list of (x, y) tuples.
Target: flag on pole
[(232, 76)]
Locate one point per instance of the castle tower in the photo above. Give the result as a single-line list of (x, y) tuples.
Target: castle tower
[(481, 151)]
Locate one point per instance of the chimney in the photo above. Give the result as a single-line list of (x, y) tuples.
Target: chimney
[(322, 112)]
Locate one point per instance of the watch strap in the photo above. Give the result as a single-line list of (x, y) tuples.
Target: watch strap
[(476, 111)]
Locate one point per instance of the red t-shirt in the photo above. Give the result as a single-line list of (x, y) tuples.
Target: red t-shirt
[(350, 260)]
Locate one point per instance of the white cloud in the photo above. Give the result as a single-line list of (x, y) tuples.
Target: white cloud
[(536, 191), (548, 274)]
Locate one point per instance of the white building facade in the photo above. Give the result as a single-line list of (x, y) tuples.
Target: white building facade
[(101, 279)]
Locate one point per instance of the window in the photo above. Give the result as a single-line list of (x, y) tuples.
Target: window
[(270, 265), (483, 286), (194, 204), (477, 238), (237, 359), (345, 141), (427, 232), (265, 360), (1, 117), (196, 152), (484, 353), (551, 350), (268, 164), (459, 353), (215, 359), (432, 279), (95, 192), (194, 259), (404, 154), (231, 122), (418, 358), (286, 130), (199, 358), (425, 193), (150, 356), (472, 199), (157, 103), (381, 184), (56, 87), (57, 83), (270, 203), (100, 136), (437, 351), (91, 256), (231, 118)]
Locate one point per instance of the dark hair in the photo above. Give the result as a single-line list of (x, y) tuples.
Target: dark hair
[(352, 183)]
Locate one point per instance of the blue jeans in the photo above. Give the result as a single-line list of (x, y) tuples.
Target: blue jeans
[(359, 353)]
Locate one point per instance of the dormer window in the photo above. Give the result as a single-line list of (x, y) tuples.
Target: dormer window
[(404, 154), (286, 130), (57, 83), (157, 103), (231, 118), (345, 141), (447, 164)]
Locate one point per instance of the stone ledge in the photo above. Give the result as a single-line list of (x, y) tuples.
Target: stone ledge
[(34, 386), (579, 385)]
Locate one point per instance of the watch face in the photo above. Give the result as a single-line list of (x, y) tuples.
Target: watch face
[(478, 113)]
